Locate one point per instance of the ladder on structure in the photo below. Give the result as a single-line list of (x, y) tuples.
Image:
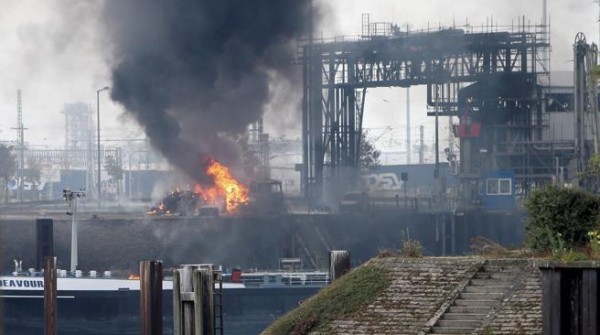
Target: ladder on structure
[(218, 302)]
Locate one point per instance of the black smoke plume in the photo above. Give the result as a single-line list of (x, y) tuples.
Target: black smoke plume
[(196, 73)]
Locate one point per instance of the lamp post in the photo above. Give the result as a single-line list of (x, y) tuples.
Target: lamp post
[(99, 157)]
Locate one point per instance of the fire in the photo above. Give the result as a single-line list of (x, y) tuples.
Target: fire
[(225, 186)]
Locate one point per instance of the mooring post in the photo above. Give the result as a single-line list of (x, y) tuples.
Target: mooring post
[(151, 297), (193, 301), (198, 306), (177, 306), (187, 303), (205, 276), (339, 264), (50, 296), (183, 301), (44, 241)]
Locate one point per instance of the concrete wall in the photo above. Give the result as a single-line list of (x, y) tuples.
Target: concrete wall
[(117, 243)]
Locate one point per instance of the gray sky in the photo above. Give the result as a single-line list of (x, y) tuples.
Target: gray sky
[(54, 52)]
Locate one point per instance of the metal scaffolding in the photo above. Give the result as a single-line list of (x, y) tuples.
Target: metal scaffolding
[(338, 73)]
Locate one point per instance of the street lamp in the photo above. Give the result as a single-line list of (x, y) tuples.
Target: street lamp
[(99, 157)]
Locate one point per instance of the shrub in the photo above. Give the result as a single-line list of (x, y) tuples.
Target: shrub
[(411, 248), (560, 217)]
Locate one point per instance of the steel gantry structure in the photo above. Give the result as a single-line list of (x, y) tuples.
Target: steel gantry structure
[(337, 75)]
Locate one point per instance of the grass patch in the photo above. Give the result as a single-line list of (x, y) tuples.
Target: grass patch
[(346, 296)]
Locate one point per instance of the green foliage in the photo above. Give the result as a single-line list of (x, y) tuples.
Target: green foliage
[(570, 256), (8, 167), (113, 168), (590, 176), (368, 156), (346, 296), (8, 163), (560, 218), (411, 248), (33, 172), (594, 237)]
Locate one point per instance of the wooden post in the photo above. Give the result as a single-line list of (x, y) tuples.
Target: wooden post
[(193, 304), (183, 301), (339, 264), (44, 241), (177, 305), (570, 297), (151, 297), (198, 303), (207, 303), (50, 296), (187, 303)]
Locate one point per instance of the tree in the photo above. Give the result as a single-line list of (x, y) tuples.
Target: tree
[(114, 170), (33, 171), (8, 167), (590, 176), (368, 156)]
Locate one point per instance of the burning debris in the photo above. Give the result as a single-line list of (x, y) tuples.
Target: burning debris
[(225, 187), (224, 192), (177, 203)]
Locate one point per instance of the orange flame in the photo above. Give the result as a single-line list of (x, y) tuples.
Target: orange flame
[(225, 186)]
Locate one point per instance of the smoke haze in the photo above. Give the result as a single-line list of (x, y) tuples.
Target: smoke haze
[(196, 73)]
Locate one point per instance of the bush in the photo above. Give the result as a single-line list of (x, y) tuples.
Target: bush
[(412, 248), (560, 213)]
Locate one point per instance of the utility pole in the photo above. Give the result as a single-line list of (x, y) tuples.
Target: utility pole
[(421, 144), (408, 144), (99, 181), (72, 197), (598, 19), (436, 173), (21, 143)]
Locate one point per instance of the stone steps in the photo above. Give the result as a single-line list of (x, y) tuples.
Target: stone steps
[(476, 303), (496, 268), (469, 316), (506, 276), (489, 282), (452, 330), (480, 296), (459, 323), (484, 291), (468, 310)]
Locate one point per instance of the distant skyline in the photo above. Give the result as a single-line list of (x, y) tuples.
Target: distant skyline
[(56, 53)]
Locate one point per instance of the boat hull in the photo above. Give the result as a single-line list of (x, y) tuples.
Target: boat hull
[(246, 310)]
